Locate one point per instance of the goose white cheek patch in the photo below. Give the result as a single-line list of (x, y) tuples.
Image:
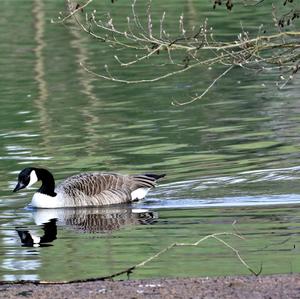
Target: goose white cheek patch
[(33, 178)]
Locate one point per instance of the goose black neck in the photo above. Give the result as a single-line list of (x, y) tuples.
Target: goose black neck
[(48, 184)]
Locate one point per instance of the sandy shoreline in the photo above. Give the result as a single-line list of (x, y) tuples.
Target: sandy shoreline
[(271, 286)]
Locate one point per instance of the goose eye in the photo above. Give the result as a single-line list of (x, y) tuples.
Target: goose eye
[(26, 178)]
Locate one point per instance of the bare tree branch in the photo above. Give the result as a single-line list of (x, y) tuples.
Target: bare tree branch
[(191, 48)]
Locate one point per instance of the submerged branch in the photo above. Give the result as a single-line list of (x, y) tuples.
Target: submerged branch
[(128, 271)]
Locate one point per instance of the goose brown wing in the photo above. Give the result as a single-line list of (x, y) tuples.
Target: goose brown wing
[(92, 184), (96, 189)]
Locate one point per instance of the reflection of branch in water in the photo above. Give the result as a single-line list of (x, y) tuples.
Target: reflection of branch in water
[(276, 243)]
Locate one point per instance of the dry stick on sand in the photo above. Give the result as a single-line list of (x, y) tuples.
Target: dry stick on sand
[(128, 271)]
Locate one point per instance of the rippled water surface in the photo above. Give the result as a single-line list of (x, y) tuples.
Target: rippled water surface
[(232, 159)]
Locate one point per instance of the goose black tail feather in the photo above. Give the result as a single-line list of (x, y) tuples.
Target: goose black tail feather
[(155, 176)]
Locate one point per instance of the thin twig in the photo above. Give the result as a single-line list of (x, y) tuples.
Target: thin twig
[(80, 7), (205, 91), (140, 58), (111, 78)]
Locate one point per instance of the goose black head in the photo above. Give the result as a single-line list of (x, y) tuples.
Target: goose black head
[(26, 178)]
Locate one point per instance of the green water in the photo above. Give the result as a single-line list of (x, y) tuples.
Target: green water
[(231, 157)]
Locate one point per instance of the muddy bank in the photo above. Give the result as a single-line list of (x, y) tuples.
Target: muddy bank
[(274, 286)]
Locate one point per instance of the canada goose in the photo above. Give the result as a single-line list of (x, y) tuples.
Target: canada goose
[(85, 189)]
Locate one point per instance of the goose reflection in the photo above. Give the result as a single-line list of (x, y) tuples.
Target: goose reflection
[(29, 239), (83, 220)]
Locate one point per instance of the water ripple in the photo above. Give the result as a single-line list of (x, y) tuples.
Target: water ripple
[(242, 189), (242, 201)]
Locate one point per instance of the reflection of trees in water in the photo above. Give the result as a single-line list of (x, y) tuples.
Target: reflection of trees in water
[(89, 110), (85, 81), (38, 12)]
